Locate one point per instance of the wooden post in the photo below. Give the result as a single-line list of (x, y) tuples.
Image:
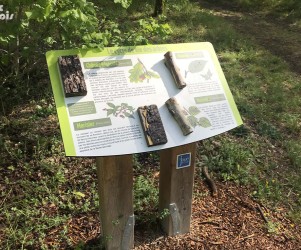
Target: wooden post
[(175, 187), (115, 188)]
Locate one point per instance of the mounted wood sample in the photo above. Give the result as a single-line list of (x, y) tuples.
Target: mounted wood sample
[(152, 125), (177, 112), (72, 76), (174, 69)]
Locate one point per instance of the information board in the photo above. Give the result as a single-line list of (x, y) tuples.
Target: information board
[(105, 121)]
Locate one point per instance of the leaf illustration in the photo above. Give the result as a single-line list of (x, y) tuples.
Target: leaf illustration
[(204, 122), (137, 73), (112, 105), (193, 121), (208, 75), (153, 74), (110, 111), (130, 108), (196, 66), (129, 115), (123, 110), (193, 110)]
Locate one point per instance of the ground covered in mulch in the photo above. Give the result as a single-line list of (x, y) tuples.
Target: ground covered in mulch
[(229, 220)]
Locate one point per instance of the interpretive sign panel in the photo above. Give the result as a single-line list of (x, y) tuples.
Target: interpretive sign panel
[(118, 81)]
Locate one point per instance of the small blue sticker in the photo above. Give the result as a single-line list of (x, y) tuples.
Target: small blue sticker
[(183, 160)]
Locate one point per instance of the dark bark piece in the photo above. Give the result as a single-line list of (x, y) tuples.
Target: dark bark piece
[(177, 112), (175, 71), (152, 125), (72, 76)]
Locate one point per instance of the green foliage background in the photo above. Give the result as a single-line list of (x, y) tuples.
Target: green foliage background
[(43, 25)]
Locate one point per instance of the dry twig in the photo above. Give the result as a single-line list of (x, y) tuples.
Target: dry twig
[(247, 237), (262, 214)]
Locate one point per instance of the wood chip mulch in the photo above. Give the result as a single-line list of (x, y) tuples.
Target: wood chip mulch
[(230, 220)]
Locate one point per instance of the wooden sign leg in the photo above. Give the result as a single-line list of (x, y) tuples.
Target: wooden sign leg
[(175, 187), (115, 188)]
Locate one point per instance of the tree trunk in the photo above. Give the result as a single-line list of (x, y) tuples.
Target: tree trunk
[(159, 7)]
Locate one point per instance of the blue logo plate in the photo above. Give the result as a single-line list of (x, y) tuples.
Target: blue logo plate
[(183, 160)]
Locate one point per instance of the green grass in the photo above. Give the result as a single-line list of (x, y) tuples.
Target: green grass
[(41, 189)]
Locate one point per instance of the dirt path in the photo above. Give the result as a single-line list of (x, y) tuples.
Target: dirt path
[(279, 37)]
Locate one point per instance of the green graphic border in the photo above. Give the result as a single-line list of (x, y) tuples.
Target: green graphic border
[(62, 111)]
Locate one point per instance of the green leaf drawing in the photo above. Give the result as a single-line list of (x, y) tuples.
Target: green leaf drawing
[(208, 75), (123, 110), (110, 111), (139, 73), (193, 110), (204, 122), (196, 66), (193, 121), (153, 74), (129, 115), (112, 105)]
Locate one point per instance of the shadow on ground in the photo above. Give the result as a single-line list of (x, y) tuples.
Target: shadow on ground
[(277, 36)]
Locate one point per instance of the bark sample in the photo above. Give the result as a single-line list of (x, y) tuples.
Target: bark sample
[(152, 125), (174, 69), (177, 112), (72, 76)]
